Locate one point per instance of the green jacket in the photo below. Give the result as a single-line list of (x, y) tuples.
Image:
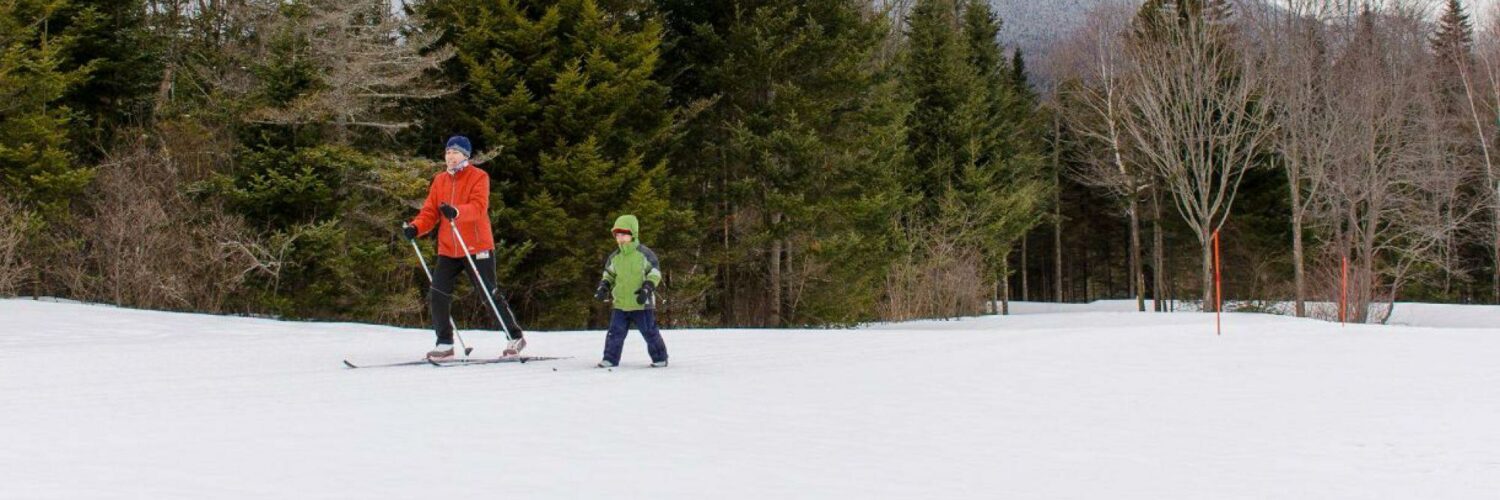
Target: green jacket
[(630, 266)]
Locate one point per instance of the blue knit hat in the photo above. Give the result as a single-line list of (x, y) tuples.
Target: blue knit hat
[(460, 143)]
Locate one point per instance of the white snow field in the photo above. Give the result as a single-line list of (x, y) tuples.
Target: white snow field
[(103, 402)]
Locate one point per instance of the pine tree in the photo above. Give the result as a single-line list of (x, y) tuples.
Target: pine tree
[(948, 97), (1210, 16), (1004, 179), (1018, 77), (565, 94), (36, 165), (305, 93), (800, 141), (1453, 43), (111, 38), (976, 162)]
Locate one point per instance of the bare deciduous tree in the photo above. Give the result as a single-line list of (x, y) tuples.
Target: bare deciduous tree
[(368, 62), (1391, 197), (940, 275), (1095, 59), (1196, 119), (12, 266), (152, 245), (1482, 89), (1298, 51)]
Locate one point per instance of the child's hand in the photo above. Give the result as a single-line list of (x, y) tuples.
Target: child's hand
[(643, 295), (602, 293)]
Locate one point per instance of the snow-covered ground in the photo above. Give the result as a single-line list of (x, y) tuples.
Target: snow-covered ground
[(1404, 313), (1053, 402)]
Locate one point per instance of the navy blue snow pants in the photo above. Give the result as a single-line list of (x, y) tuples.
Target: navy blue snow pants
[(619, 325)]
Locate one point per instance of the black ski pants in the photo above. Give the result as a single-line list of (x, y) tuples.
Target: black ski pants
[(445, 276)]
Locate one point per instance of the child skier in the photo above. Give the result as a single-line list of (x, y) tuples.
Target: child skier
[(461, 195), (630, 277)]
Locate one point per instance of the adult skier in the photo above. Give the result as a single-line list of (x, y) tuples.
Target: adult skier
[(631, 273), (460, 197)]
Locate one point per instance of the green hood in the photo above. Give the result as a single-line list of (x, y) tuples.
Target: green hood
[(631, 223)]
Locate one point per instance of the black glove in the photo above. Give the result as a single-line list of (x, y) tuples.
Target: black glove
[(643, 295), (602, 293), (409, 231), (448, 211)]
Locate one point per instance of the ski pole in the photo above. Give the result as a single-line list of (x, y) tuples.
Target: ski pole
[(456, 334), (489, 295)]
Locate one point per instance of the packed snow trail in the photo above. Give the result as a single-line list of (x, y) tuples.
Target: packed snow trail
[(103, 402)]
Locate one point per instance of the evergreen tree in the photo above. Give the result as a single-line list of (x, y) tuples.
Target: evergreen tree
[(36, 164), (800, 142), (1018, 76), (1003, 182), (564, 93), (978, 164), (1210, 16), (948, 98), (110, 38), (1453, 42), (307, 91), (1453, 45)]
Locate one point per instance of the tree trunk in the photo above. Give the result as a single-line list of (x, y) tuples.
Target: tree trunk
[(1448, 251), (1087, 260), (993, 306), (1299, 274), (1358, 286), (1206, 242), (1495, 278), (1137, 276), (726, 286), (1088, 270), (1109, 276), (1158, 254), (1171, 284), (1025, 286), (1366, 288), (1005, 286), (1057, 260), (775, 263), (164, 89)]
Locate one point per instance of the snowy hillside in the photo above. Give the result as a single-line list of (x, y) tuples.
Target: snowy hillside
[(1036, 26), (102, 402)]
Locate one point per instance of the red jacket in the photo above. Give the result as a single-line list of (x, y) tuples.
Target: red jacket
[(468, 190)]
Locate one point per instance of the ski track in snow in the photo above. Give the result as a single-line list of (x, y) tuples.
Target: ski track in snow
[(1074, 402)]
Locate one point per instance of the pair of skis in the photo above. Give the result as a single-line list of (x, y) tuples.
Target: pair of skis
[(458, 361)]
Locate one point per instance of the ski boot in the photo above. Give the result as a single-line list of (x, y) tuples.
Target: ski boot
[(514, 347), (441, 352)]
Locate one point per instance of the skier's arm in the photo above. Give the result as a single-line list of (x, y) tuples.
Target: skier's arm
[(653, 266), (428, 216), (609, 269), (606, 282)]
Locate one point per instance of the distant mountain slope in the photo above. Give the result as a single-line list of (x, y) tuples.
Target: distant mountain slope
[(1035, 26)]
